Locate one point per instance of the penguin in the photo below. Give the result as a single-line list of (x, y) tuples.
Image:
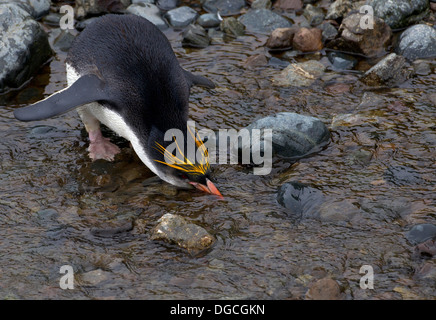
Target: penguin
[(122, 72)]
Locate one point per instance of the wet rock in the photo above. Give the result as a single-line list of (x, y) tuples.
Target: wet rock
[(288, 5), (338, 9), (389, 71), (351, 120), (181, 17), (261, 4), (329, 32), (314, 15), (150, 12), (341, 61), (400, 13), (370, 99), (333, 210), (143, 1), (209, 20), (175, 229), (422, 67), (324, 289), (281, 38), (38, 8), (402, 175), (64, 40), (195, 36), (301, 199), (427, 248), (301, 74), (418, 41), (52, 19), (24, 46), (94, 277), (232, 26), (308, 40), (91, 7), (353, 38), (421, 233), (224, 7), (167, 4), (263, 21), (254, 61), (278, 63), (293, 135)]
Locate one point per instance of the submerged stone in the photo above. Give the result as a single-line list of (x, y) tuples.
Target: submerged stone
[(301, 199), (421, 233), (175, 229), (301, 74), (402, 175)]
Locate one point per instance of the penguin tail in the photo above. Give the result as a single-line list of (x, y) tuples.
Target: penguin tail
[(196, 80)]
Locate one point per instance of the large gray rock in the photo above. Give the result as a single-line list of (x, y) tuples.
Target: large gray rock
[(150, 12), (37, 8), (400, 13), (263, 21), (293, 135), (389, 71), (224, 7), (181, 17), (92, 7), (418, 41), (24, 46)]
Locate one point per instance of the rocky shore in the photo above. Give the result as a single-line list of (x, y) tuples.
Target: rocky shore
[(308, 39)]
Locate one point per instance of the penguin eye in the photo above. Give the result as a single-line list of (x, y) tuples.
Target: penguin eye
[(183, 176)]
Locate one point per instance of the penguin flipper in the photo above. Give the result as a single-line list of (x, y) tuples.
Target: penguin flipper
[(196, 80), (86, 89)]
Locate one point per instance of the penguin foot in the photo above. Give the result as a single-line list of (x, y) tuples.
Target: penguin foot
[(101, 147)]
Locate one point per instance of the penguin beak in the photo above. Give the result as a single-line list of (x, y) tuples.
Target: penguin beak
[(208, 188)]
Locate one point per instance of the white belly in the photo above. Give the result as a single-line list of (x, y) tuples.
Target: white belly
[(112, 120)]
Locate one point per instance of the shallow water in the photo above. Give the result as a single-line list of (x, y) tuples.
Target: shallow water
[(379, 168)]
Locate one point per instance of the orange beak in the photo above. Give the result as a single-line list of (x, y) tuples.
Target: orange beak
[(209, 188)]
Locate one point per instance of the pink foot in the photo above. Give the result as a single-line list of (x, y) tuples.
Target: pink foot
[(101, 147)]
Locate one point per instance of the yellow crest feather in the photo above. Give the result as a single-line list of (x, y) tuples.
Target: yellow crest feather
[(185, 164)]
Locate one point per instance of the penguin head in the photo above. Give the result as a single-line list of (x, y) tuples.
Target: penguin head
[(176, 167)]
